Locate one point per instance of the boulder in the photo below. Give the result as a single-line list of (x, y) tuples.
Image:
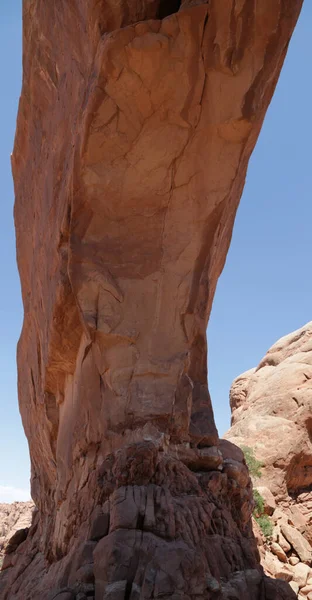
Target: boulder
[(279, 552), (270, 563), (283, 542), (298, 542), (268, 499), (298, 519), (284, 572), (301, 574)]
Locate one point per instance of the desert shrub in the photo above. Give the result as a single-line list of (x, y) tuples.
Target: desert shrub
[(259, 504), (253, 464), (259, 515), (265, 525)]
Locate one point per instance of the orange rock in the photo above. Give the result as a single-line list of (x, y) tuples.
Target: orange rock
[(135, 127), (276, 419), (278, 551), (271, 413), (301, 574)]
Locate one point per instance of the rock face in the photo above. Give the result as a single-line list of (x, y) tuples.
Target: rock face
[(135, 127), (271, 413), (13, 517)]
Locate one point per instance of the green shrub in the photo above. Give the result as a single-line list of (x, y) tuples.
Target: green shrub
[(259, 504), (259, 515), (265, 525), (254, 467), (253, 464)]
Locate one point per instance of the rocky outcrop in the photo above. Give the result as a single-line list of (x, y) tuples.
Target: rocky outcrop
[(271, 414), (135, 127), (15, 517)]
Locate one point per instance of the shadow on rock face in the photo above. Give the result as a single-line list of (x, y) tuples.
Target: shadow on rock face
[(157, 530), (298, 474)]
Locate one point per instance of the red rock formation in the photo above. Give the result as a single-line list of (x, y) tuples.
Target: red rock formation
[(13, 517), (271, 413), (135, 127)]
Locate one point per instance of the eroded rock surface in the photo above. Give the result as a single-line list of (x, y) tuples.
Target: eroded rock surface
[(135, 127), (14, 517), (271, 414)]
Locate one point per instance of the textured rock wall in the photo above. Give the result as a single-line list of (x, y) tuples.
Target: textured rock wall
[(271, 413), (135, 126)]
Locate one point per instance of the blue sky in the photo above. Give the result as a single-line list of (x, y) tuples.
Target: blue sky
[(266, 287)]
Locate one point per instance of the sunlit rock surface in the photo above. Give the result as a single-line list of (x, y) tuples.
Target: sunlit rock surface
[(271, 414), (135, 127)]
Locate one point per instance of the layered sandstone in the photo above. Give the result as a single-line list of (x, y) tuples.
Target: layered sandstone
[(135, 127), (271, 413)]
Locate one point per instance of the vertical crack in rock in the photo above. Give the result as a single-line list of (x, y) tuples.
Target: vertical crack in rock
[(135, 126)]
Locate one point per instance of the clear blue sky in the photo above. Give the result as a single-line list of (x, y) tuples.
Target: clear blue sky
[(266, 288)]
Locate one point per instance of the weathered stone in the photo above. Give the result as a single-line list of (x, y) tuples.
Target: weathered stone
[(298, 542), (99, 527), (14, 517), (213, 585), (236, 471), (205, 459), (278, 551), (298, 518), (272, 407), (17, 538), (293, 560), (284, 572), (275, 400), (85, 574), (268, 499), (230, 451), (135, 127), (280, 517), (301, 573), (283, 543)]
